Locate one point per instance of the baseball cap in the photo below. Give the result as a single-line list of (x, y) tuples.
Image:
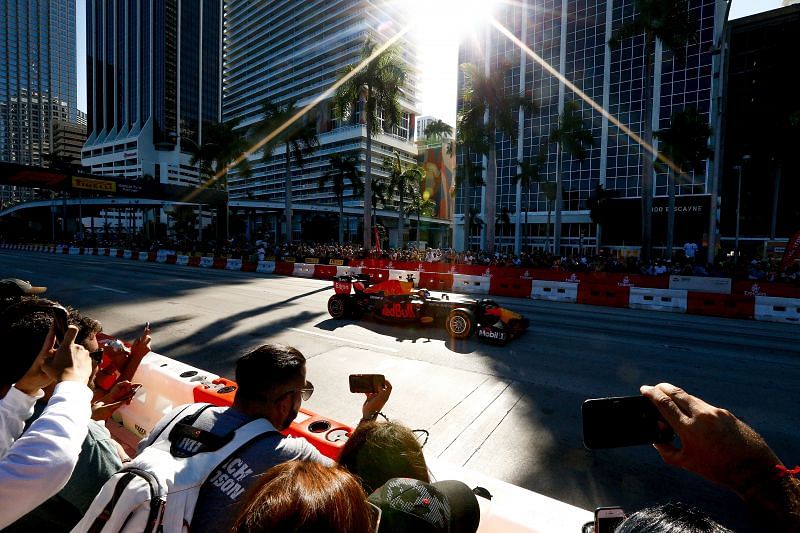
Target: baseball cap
[(10, 287), (412, 505)]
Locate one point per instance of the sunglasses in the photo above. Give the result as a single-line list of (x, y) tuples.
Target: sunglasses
[(422, 436), (305, 392)]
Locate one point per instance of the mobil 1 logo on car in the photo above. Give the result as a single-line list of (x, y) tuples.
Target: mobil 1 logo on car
[(492, 334)]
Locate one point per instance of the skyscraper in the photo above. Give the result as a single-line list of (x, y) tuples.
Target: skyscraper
[(572, 36), (38, 81), (153, 77), (292, 51)]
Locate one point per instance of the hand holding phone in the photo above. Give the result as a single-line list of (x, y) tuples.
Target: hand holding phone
[(623, 421), (367, 383), (606, 519)]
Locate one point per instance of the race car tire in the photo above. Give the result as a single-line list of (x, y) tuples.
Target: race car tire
[(459, 323), (338, 307)]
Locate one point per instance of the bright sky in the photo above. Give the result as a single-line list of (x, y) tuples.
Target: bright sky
[(438, 27)]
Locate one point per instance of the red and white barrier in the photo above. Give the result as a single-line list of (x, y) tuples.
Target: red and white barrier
[(554, 291), (470, 284), (773, 309), (303, 270), (206, 262), (405, 275), (670, 300), (266, 267)]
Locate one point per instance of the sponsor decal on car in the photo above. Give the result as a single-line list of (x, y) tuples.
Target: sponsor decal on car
[(491, 333), (398, 310)]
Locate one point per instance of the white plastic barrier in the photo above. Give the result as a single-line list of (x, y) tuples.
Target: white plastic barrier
[(347, 270), (670, 300), (403, 275), (127, 254), (700, 284), (266, 267), (303, 270), (112, 252), (513, 509), (161, 256), (182, 260), (233, 264), (470, 284), (142, 256), (555, 291), (59, 248), (166, 384), (775, 309), (206, 262), (74, 250)]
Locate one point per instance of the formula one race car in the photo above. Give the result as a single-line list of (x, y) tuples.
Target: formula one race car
[(399, 302)]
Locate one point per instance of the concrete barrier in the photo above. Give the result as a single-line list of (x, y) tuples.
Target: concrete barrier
[(670, 300), (233, 264), (775, 309), (266, 267), (303, 270), (554, 291), (471, 284)]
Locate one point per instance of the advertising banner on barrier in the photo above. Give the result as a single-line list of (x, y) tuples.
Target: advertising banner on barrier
[(266, 267), (765, 288), (700, 284), (206, 262), (233, 264)]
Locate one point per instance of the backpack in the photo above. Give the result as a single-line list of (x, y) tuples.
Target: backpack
[(157, 491)]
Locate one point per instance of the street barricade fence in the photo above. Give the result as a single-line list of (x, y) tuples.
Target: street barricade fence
[(436, 281), (347, 270), (670, 300), (142, 256), (725, 305), (376, 275), (303, 270), (405, 275), (161, 256), (182, 260), (700, 284), (325, 271), (470, 284), (194, 261), (233, 264), (605, 295), (127, 254), (776, 309), (554, 291), (512, 287), (74, 250), (206, 262), (283, 268), (266, 267)]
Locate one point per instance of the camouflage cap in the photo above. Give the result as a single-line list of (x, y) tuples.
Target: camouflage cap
[(413, 505)]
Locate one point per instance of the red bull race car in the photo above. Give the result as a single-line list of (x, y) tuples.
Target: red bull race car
[(399, 302)]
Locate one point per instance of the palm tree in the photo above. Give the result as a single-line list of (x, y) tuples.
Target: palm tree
[(402, 178), (503, 219), (473, 220), (471, 139), (548, 190), (671, 23), (420, 203), (343, 167), (530, 171), (685, 145), (573, 138), (223, 142), (438, 130), (376, 87), (600, 211), (299, 140), (486, 95)]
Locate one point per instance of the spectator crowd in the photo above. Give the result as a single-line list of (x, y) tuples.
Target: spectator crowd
[(213, 468)]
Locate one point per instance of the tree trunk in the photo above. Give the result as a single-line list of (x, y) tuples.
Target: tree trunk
[(670, 214), (547, 229), (288, 198), (491, 194), (341, 218), (400, 220), (647, 156), (527, 228), (558, 202), (368, 186)]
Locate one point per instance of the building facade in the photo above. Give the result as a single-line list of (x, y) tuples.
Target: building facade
[(38, 79), (760, 170), (572, 36), (154, 77), (68, 139), (293, 51)]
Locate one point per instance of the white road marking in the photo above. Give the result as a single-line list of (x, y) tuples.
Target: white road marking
[(195, 281), (335, 338), (27, 271), (109, 289)]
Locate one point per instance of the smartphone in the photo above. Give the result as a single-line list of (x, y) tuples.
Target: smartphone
[(623, 421), (60, 322), (367, 382), (606, 519)]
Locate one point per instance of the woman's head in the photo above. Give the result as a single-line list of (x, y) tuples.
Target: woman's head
[(379, 451), (306, 496)]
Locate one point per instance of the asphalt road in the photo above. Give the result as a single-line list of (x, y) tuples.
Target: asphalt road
[(511, 412)]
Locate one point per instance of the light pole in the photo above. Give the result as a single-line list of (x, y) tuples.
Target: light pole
[(745, 158)]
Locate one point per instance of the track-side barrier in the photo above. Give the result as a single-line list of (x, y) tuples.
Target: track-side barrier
[(219, 262), (725, 305), (249, 266), (74, 250), (182, 260), (605, 295), (700, 284), (266, 267), (161, 256), (670, 300), (172, 259), (555, 291), (233, 264), (513, 287), (194, 261), (325, 271), (303, 270), (283, 268), (376, 275), (470, 284), (774, 309), (142, 256), (405, 275), (347, 270), (206, 262), (127, 254), (435, 281)]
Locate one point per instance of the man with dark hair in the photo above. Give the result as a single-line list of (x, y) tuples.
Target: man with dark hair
[(272, 385)]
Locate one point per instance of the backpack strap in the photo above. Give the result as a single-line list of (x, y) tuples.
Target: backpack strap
[(187, 440), (128, 475), (103, 517)]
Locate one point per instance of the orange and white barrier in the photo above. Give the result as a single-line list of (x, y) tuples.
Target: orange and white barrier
[(556, 291), (405, 275), (774, 309), (348, 270), (470, 284), (303, 270), (670, 300)]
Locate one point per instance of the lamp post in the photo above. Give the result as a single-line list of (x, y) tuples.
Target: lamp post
[(739, 167)]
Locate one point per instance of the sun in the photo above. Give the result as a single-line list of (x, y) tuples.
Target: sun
[(449, 20)]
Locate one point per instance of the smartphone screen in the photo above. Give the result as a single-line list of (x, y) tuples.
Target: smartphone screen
[(622, 421), (606, 519), (367, 382)]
